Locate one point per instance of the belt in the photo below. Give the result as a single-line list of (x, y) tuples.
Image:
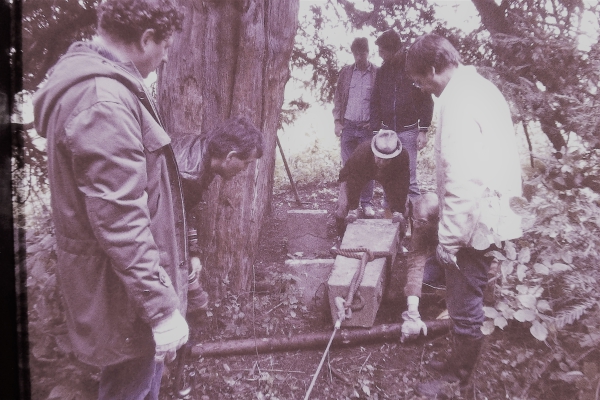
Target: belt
[(408, 127), (355, 123)]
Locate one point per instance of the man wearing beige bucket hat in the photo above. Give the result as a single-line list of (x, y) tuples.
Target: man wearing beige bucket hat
[(384, 160)]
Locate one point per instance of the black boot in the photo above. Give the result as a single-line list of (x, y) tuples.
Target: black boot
[(458, 369)]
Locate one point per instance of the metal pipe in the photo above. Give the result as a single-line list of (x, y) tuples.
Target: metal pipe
[(343, 337)]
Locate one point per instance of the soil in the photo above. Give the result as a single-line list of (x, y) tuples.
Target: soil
[(513, 365)]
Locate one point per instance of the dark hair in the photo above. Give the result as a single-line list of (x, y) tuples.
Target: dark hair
[(360, 44), (235, 134), (389, 40), (431, 51), (127, 20)]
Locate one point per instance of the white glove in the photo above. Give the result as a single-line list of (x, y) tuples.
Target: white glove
[(412, 325), (196, 266), (169, 335)]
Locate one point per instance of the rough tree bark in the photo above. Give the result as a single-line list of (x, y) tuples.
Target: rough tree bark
[(231, 58)]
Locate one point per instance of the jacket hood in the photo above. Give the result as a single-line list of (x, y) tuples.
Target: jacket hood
[(83, 61)]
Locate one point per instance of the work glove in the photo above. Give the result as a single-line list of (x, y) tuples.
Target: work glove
[(351, 217), (196, 266), (397, 217), (169, 335), (445, 258), (412, 325)]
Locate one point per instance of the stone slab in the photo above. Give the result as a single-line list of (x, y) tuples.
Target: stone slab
[(376, 235), (311, 280), (307, 231)]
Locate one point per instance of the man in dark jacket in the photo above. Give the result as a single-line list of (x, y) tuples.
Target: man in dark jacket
[(225, 151), (384, 160), (397, 104), (117, 199), (351, 109)]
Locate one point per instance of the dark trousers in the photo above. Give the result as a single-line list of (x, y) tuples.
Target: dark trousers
[(352, 136), (137, 379), (464, 291)]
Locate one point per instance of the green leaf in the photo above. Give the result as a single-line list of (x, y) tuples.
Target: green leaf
[(510, 250), (366, 390), (560, 267), (541, 269), (500, 322), (488, 327), (507, 268), (519, 205), (479, 241), (524, 255), (63, 393), (567, 257), (524, 315), (497, 255), (521, 271), (522, 289), (543, 305), (527, 300), (539, 331), (490, 312), (508, 313)]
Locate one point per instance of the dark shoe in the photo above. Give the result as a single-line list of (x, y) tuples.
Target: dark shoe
[(456, 371)]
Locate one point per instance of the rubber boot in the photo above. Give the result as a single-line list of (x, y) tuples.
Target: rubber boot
[(458, 369)]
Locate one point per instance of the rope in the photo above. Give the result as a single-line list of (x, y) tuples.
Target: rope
[(365, 256), (345, 306), (314, 379)]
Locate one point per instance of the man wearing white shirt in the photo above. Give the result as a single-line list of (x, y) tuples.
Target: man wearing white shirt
[(478, 172)]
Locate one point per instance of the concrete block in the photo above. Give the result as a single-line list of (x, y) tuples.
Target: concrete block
[(376, 235), (307, 231), (311, 280)]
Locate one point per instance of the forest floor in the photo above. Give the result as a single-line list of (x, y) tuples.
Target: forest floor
[(513, 364)]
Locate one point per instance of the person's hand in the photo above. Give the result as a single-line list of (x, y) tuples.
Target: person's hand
[(422, 139), (338, 129), (196, 266), (351, 217), (412, 325), (169, 335), (397, 217), (445, 258)]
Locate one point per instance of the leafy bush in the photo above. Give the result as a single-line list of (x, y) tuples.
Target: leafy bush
[(547, 279)]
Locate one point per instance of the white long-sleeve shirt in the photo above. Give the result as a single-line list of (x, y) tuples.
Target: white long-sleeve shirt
[(477, 163)]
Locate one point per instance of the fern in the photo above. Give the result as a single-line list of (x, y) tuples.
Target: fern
[(572, 314)]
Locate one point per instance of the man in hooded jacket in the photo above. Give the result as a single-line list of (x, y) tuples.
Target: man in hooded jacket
[(117, 200)]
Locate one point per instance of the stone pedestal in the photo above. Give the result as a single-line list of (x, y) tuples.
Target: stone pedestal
[(376, 235), (307, 232), (311, 279)]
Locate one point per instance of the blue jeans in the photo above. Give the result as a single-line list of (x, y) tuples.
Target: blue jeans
[(352, 136), (137, 379), (434, 274), (464, 291), (409, 142)]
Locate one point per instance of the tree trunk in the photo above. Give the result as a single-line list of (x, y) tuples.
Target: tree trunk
[(231, 58)]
